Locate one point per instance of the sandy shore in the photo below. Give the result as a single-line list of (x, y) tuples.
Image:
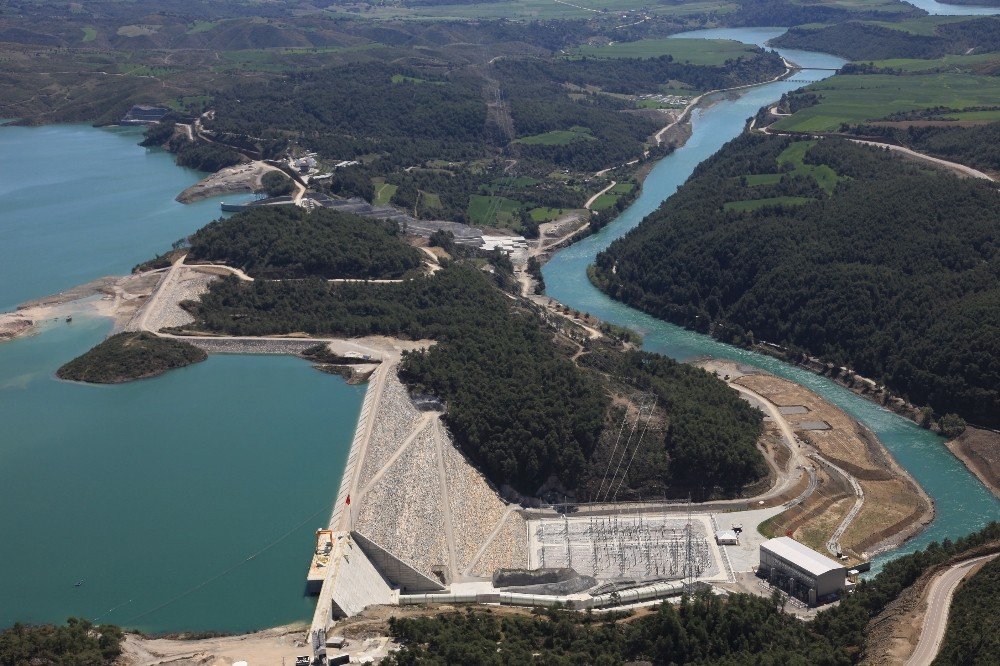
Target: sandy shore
[(116, 297), (979, 450)]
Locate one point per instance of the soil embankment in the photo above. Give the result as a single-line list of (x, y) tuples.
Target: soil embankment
[(239, 179), (979, 450), (865, 502)]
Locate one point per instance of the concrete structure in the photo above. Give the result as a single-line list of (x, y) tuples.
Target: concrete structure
[(727, 538), (801, 570), (142, 114)]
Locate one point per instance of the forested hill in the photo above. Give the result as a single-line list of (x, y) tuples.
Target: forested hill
[(287, 242), (868, 41), (897, 275)]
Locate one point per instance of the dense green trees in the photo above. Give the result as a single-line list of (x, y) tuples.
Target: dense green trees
[(127, 356), (864, 41), (702, 629), (977, 146), (287, 242), (973, 635), (896, 275), (78, 643)]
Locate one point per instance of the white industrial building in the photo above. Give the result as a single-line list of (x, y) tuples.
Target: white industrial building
[(801, 570)]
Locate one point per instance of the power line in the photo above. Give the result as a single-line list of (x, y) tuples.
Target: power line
[(649, 417)]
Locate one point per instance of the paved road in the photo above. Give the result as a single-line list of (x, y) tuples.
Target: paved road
[(938, 603)]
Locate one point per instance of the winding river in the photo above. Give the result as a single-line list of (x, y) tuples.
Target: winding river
[(963, 504)]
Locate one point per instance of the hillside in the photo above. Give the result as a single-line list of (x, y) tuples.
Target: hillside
[(897, 275), (516, 402)]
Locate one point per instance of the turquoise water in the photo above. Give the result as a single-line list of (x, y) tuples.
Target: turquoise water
[(963, 503), (79, 203), (934, 7), (154, 493)]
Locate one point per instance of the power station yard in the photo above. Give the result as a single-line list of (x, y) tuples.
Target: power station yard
[(628, 547)]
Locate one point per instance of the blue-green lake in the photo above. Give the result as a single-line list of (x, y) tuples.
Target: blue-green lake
[(963, 504), (184, 502)]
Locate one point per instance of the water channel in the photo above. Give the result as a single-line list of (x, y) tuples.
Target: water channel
[(963, 504)]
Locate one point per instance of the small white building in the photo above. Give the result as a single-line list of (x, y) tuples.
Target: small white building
[(794, 566), (727, 538)]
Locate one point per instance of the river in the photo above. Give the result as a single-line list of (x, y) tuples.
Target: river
[(942, 8), (147, 491), (963, 504)]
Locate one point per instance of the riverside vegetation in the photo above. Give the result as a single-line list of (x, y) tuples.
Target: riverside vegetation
[(891, 268), (128, 356), (79, 642)]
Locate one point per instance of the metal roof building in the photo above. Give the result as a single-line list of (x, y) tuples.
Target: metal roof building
[(800, 569)]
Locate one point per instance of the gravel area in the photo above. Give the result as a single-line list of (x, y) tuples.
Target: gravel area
[(404, 511), (189, 285), (395, 421)]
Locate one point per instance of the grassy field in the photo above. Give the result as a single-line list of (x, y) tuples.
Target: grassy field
[(924, 25), (384, 192), (89, 34), (430, 199), (695, 51), (545, 214), (201, 26), (950, 63), (754, 204), (558, 137), (794, 155), (481, 206), (856, 99), (534, 9)]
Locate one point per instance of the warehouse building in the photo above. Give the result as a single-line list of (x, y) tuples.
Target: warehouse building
[(801, 571)]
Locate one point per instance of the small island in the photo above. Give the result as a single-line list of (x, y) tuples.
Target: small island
[(128, 356)]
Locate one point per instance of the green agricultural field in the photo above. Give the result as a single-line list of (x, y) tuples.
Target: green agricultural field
[(535, 9), (924, 25), (384, 193), (558, 137), (824, 176), (430, 199), (89, 34), (754, 204), (948, 64), (860, 98), (604, 202), (991, 115), (201, 26), (545, 214), (482, 207), (622, 188), (695, 51)]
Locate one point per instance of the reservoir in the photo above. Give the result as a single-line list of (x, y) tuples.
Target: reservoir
[(184, 502), (963, 504)]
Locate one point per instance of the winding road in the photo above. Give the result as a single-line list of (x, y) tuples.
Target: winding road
[(939, 596)]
